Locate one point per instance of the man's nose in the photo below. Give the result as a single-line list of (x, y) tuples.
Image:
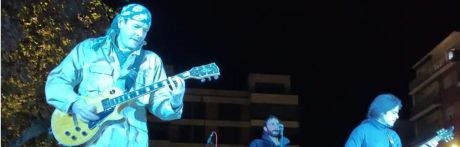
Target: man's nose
[(139, 32)]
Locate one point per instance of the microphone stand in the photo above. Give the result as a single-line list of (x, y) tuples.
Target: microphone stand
[(209, 141)]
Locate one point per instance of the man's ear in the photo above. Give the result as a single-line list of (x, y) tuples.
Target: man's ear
[(265, 129)]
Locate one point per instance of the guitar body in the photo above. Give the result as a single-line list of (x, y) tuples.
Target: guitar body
[(70, 130)]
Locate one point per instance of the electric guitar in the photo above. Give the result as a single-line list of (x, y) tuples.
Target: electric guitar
[(69, 130), (441, 135)]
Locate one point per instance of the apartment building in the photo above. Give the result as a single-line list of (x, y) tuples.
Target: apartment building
[(436, 91)]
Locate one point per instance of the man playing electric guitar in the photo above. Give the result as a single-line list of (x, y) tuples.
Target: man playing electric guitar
[(376, 130), (117, 60)]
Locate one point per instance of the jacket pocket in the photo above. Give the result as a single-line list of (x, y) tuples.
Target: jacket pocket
[(98, 79), (98, 69)]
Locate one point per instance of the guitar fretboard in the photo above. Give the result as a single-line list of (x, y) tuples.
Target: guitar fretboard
[(443, 134), (111, 103)]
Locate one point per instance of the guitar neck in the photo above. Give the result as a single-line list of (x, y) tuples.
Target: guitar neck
[(436, 138), (445, 135), (111, 103)]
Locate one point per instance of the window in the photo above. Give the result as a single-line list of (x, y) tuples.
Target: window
[(229, 135), (453, 55), (293, 134), (269, 88), (284, 112), (193, 134), (194, 110), (430, 91), (230, 112), (449, 80), (430, 123), (158, 130)]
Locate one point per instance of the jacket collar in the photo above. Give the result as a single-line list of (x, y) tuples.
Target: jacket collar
[(267, 138)]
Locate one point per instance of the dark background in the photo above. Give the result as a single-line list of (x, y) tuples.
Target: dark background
[(340, 54)]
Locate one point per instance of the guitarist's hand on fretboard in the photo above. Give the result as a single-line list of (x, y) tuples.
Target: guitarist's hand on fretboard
[(177, 88), (445, 135)]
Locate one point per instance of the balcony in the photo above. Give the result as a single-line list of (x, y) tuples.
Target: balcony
[(425, 106), (430, 73), (418, 80)]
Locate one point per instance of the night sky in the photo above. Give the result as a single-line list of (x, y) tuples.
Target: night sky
[(340, 54)]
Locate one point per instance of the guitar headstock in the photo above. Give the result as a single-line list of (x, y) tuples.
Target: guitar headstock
[(204, 72), (446, 134)]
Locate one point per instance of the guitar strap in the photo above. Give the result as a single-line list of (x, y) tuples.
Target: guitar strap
[(392, 142), (134, 69)]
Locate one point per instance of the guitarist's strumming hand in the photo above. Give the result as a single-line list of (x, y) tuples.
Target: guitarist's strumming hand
[(84, 111), (177, 90)]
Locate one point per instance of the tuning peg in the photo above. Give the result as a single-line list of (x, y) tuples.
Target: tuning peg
[(209, 79), (203, 80), (216, 77)]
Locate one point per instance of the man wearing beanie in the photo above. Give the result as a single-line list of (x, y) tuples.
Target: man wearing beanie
[(118, 60)]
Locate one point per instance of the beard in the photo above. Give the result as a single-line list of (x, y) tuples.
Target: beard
[(273, 133)]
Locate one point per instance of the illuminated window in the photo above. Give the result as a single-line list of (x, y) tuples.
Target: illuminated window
[(453, 54), (450, 55)]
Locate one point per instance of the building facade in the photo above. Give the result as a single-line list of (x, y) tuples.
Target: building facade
[(436, 91)]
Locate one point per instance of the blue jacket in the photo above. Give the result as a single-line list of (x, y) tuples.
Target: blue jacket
[(371, 133), (265, 141)]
